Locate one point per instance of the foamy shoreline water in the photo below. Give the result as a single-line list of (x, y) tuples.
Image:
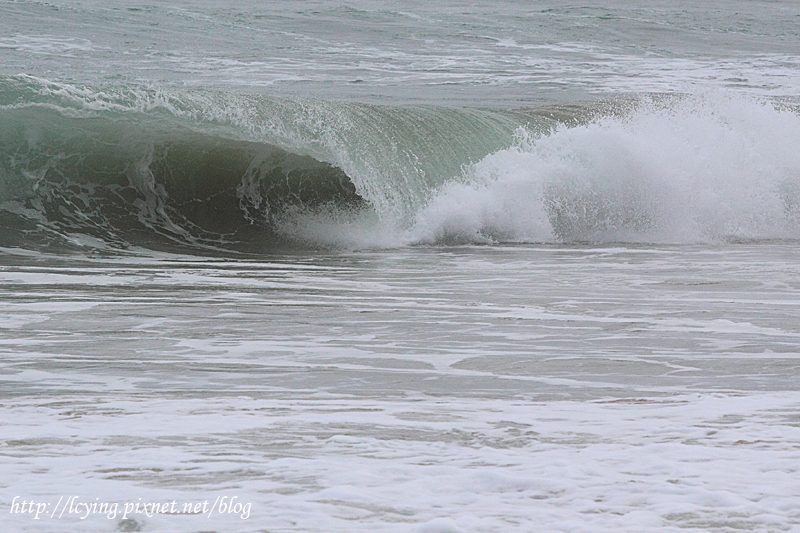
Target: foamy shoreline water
[(691, 462), (424, 389)]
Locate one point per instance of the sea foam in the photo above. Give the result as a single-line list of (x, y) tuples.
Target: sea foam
[(702, 169)]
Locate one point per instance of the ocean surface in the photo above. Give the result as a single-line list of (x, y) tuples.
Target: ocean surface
[(431, 267)]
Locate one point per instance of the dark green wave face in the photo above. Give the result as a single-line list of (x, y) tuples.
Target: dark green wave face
[(141, 182)]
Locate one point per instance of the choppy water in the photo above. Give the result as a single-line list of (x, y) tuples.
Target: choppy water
[(485, 53), (446, 268)]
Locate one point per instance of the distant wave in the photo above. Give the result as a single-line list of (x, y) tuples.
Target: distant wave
[(132, 166)]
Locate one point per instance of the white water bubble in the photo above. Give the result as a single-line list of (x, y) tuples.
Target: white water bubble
[(707, 168)]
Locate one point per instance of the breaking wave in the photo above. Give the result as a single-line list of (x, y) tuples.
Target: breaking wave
[(129, 166)]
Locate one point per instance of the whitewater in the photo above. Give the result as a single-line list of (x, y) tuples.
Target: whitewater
[(312, 266)]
